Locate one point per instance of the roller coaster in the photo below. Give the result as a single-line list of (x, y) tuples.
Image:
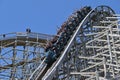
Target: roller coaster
[(86, 47)]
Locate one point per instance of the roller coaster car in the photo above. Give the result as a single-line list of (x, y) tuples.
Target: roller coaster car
[(48, 46), (51, 57), (86, 9)]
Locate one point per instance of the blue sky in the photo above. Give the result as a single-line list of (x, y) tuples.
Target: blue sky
[(43, 16)]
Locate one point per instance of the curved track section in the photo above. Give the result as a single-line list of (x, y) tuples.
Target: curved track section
[(77, 60)]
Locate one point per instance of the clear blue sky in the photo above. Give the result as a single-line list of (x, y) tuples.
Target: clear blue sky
[(42, 16)]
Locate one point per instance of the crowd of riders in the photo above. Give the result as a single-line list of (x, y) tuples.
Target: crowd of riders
[(57, 44)]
